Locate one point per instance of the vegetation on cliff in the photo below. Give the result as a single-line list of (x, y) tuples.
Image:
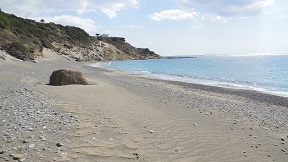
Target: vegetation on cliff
[(138, 53), (25, 40)]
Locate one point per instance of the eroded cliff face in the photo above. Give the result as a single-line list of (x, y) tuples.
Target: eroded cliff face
[(97, 51), (105, 50), (25, 39)]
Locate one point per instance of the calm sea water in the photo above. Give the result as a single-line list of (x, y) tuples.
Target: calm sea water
[(266, 73)]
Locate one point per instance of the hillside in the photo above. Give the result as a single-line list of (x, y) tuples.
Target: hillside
[(25, 39)]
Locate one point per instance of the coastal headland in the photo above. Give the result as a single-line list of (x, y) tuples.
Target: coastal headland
[(123, 117), (26, 39)]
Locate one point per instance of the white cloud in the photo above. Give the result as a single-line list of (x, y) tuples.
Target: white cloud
[(111, 8), (185, 15), (219, 19), (219, 11), (228, 8), (173, 15), (32, 8)]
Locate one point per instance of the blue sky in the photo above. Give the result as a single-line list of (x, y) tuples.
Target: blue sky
[(172, 27)]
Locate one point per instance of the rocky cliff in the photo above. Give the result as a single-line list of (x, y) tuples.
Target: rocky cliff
[(25, 39)]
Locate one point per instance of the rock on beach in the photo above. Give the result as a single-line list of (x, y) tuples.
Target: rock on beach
[(66, 77)]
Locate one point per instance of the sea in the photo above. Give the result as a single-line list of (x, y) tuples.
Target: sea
[(263, 73)]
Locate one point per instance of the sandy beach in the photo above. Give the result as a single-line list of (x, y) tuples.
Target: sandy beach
[(124, 117)]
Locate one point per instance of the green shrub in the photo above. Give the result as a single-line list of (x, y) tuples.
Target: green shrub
[(20, 47), (2, 26), (18, 50), (77, 34), (45, 43), (36, 42)]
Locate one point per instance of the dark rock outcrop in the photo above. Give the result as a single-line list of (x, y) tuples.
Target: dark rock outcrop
[(66, 77)]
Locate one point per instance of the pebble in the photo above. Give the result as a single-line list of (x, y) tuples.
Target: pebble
[(21, 160), (17, 156), (26, 141), (57, 152), (59, 144), (42, 138), (195, 124), (282, 139), (31, 146), (151, 131), (30, 129)]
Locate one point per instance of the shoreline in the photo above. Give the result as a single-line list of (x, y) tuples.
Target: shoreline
[(238, 86), (122, 117), (247, 96), (252, 94)]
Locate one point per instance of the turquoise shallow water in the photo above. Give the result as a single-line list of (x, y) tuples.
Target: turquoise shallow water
[(266, 73)]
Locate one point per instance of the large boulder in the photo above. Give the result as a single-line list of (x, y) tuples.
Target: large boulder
[(66, 77)]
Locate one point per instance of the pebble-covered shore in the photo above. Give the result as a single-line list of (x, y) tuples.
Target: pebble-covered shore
[(30, 128)]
